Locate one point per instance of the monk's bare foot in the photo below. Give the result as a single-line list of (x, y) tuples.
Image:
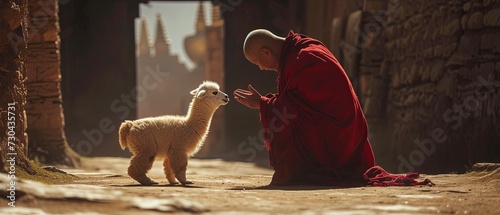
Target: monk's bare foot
[(174, 183)]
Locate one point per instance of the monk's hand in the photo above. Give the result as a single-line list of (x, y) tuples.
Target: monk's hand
[(249, 98)]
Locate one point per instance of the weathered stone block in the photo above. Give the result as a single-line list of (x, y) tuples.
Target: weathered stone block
[(46, 137), (417, 22), (467, 6), (371, 58), (437, 70), (395, 82), (436, 16), (415, 69), (374, 5), (390, 47), (464, 73), (485, 69), (452, 3), (496, 43), (429, 53), (41, 53), (405, 27), (389, 32), (403, 75), (48, 72), (435, 32), (476, 21), (487, 3), (449, 49), (52, 35), (43, 33), (416, 38), (426, 71), (477, 6), (50, 118), (44, 89), (426, 35), (492, 17), (405, 42), (487, 41), (447, 85), (469, 45), (429, 100), (438, 51), (452, 28), (464, 22), (42, 7)]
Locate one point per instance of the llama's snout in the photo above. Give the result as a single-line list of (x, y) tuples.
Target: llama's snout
[(226, 98)]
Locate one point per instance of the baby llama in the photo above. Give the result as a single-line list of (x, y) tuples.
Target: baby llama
[(173, 138)]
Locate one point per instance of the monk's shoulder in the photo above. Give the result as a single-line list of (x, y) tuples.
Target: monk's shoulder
[(309, 56), (315, 53)]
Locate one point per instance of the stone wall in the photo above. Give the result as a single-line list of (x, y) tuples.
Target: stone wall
[(13, 30), (429, 80), (43, 107)]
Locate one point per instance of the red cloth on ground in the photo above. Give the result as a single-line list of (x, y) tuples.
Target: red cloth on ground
[(316, 132), (377, 176)]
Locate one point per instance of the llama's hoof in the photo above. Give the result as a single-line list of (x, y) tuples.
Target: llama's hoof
[(186, 182), (173, 183), (147, 183)]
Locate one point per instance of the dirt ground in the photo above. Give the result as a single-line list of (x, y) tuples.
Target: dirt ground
[(220, 187)]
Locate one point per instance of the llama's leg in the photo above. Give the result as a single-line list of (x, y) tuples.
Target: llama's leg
[(139, 166), (168, 172), (178, 162)]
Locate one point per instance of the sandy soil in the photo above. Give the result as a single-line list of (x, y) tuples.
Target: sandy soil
[(221, 187)]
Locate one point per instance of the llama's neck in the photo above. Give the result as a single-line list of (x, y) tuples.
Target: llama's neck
[(198, 119), (199, 116)]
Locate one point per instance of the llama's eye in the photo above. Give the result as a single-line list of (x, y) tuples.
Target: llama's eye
[(215, 92)]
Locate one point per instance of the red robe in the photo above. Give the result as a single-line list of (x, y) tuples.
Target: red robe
[(316, 132)]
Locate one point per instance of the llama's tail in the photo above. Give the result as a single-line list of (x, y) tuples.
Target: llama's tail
[(123, 133)]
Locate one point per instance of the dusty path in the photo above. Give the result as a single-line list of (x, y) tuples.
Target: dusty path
[(239, 188)]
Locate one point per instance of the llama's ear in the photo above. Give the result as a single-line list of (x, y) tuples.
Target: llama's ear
[(193, 92), (201, 93)]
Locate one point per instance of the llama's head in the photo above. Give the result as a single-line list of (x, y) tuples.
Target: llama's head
[(210, 93)]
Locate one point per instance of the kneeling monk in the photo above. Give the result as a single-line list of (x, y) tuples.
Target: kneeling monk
[(316, 130)]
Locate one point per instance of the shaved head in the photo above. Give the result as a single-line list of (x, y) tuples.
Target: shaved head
[(263, 48), (257, 39)]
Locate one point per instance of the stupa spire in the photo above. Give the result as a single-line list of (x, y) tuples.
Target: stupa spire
[(144, 48), (216, 16), (200, 18), (162, 42)]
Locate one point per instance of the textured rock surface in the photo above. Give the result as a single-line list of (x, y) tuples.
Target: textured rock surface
[(429, 83), (12, 84)]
